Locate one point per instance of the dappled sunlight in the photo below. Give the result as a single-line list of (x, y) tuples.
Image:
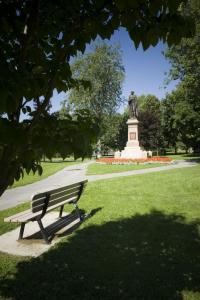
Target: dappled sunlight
[(150, 256)]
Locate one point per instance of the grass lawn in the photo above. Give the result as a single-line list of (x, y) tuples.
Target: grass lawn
[(142, 242), (49, 168), (97, 168), (183, 156)]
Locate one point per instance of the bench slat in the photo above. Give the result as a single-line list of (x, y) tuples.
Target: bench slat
[(9, 219), (53, 197), (43, 194), (60, 203), (66, 198), (22, 217)]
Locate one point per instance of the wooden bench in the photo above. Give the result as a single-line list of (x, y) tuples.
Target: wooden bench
[(45, 202)]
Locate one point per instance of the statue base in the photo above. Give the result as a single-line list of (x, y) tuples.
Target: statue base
[(133, 152), (132, 149)]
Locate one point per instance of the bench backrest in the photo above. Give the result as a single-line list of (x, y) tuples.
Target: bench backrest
[(51, 199)]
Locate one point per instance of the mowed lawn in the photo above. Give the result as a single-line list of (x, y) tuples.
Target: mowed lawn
[(142, 242), (98, 168), (49, 168), (184, 156)]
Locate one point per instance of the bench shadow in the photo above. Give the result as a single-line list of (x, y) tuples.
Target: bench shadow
[(146, 257), (63, 226)]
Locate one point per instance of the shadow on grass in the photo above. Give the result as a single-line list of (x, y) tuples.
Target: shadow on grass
[(192, 159), (152, 256), (188, 156)]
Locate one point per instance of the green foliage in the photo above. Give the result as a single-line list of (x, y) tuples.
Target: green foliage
[(182, 123), (65, 110), (114, 132), (150, 131), (123, 131), (110, 132), (149, 103), (104, 70), (170, 131)]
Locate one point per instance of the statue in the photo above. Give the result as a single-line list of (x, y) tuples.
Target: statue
[(133, 106)]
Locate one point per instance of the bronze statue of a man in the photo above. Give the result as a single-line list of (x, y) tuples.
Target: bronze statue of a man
[(133, 106)]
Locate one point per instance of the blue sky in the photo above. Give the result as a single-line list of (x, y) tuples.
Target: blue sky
[(144, 70)]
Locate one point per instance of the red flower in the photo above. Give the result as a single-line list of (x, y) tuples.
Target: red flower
[(108, 160)]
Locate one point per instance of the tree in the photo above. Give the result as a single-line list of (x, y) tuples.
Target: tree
[(180, 121), (65, 110), (110, 132), (184, 57), (37, 41), (185, 66), (150, 131), (169, 126), (104, 95), (122, 135)]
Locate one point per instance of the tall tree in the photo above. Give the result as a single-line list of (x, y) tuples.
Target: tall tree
[(180, 121), (150, 131), (111, 131), (185, 66), (37, 40), (169, 125), (104, 95), (122, 131)]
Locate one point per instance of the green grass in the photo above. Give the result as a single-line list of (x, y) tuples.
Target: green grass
[(183, 156), (142, 242), (98, 168), (49, 168)]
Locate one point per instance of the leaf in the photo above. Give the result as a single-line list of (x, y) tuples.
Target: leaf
[(39, 169), (145, 44), (135, 36)]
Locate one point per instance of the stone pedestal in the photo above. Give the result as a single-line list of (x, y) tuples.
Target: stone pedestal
[(132, 149)]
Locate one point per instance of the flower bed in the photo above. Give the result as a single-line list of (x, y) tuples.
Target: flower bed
[(124, 161)]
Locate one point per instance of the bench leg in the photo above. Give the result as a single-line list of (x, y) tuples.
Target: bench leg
[(43, 231), (21, 231), (61, 211), (78, 211)]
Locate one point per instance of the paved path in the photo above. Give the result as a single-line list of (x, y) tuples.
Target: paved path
[(68, 175)]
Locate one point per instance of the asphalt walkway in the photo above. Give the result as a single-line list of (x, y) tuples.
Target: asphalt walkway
[(68, 175)]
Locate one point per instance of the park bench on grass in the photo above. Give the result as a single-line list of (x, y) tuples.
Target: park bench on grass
[(45, 202)]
